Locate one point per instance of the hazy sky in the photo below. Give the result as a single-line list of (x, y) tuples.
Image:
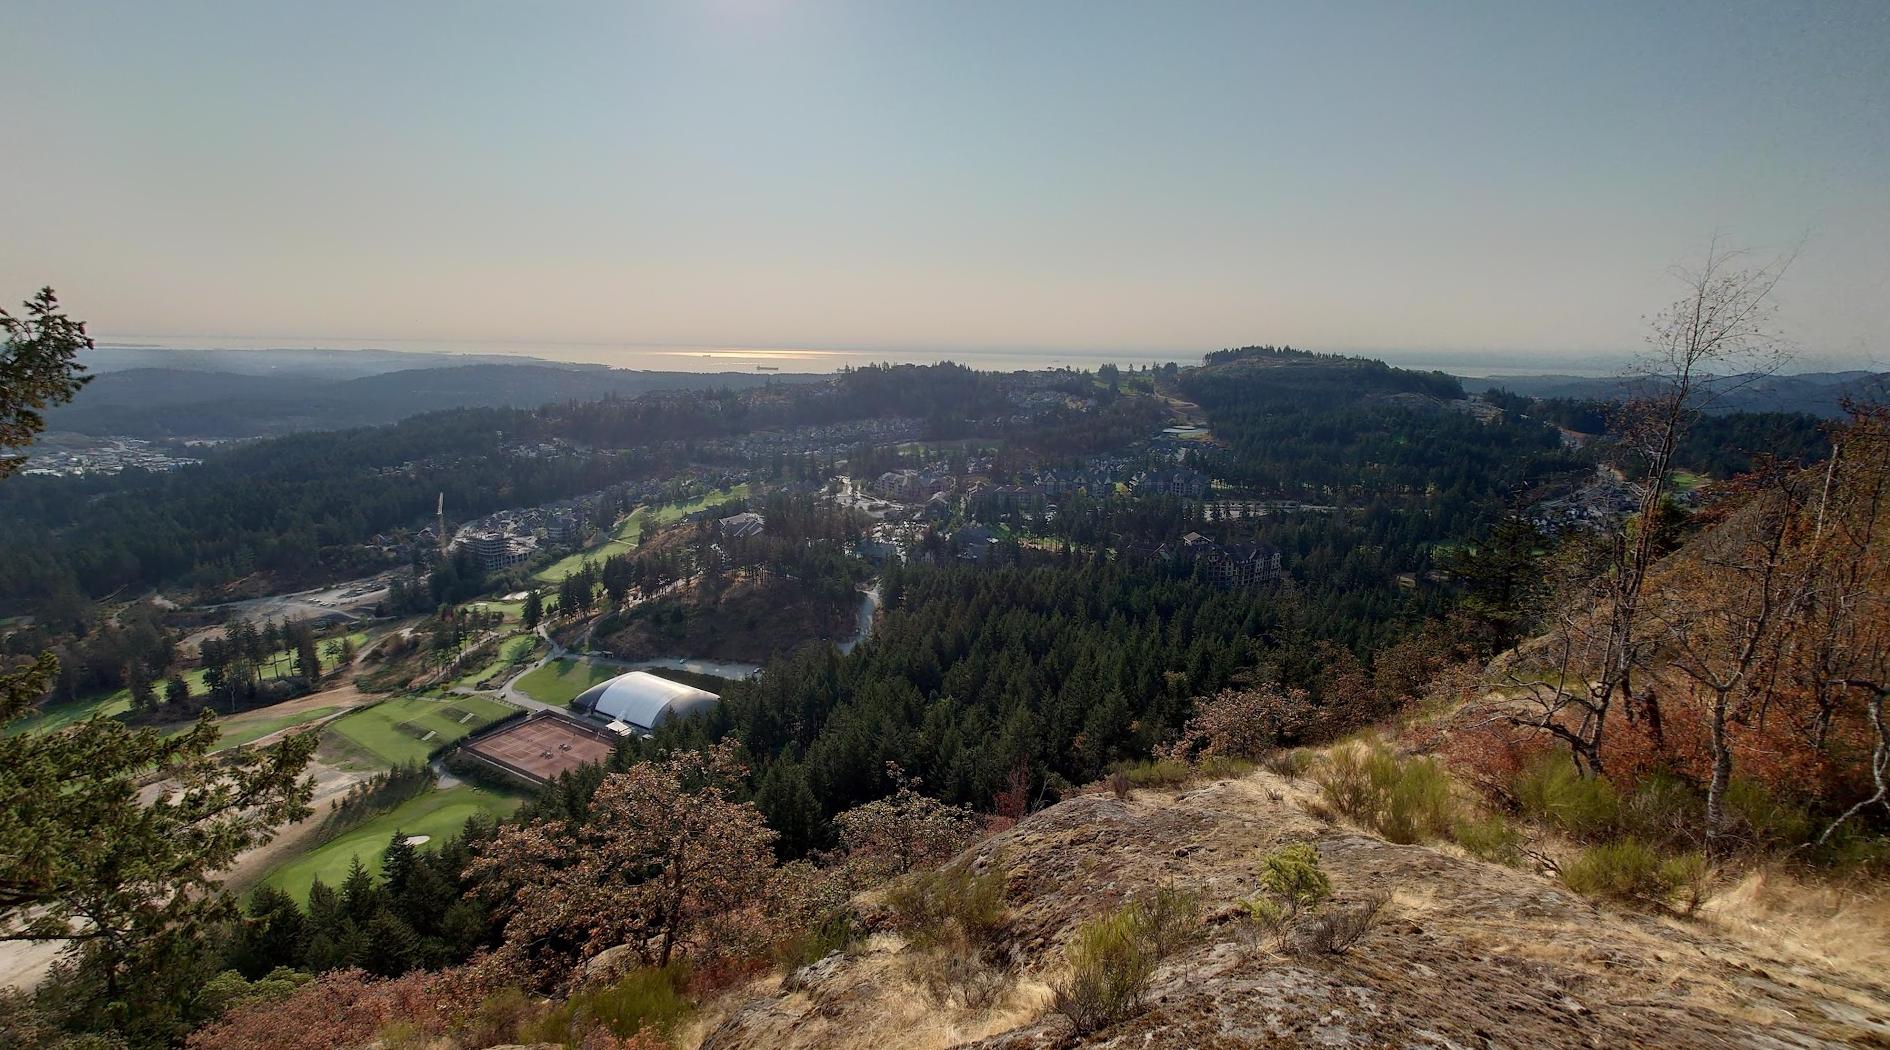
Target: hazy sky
[(1137, 176)]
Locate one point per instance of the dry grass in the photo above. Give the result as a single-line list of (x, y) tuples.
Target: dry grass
[(879, 1000), (1845, 926), (1771, 951)]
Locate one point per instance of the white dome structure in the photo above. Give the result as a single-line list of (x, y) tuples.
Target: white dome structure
[(643, 700)]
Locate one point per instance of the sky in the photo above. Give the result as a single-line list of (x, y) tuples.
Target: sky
[(1511, 179)]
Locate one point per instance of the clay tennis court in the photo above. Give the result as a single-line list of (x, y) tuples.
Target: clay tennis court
[(543, 746)]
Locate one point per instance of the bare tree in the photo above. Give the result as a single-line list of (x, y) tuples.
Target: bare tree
[(1845, 658), (1723, 323), (1722, 615)]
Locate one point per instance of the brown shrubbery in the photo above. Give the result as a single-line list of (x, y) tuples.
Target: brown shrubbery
[(902, 832), (340, 1008), (664, 860)]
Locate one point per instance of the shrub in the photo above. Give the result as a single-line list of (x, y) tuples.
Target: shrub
[(930, 906), (340, 1008), (1417, 802), (1264, 918), (1553, 791), (646, 999), (496, 1019), (1168, 919), (1292, 876), (1490, 838), (961, 977), (1120, 785), (1630, 870), (1762, 820), (1291, 881), (1173, 772), (1110, 966), (1158, 773), (1405, 800), (956, 920), (902, 832), (1245, 723), (1221, 767), (1336, 932), (1291, 763), (833, 933), (1345, 784)]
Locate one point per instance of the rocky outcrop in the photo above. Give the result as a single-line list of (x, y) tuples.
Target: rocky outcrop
[(1468, 954)]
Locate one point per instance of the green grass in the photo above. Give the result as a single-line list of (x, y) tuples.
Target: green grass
[(510, 651), (438, 814), (513, 611), (61, 714), (393, 731), (243, 729), (560, 681), (630, 530)]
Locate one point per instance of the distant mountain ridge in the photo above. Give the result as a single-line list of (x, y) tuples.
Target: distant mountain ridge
[(1818, 393), (156, 403)]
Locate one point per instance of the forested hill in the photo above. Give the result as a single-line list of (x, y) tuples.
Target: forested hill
[(1817, 393), (284, 505), (300, 505), (195, 403), (1353, 431), (1270, 375)]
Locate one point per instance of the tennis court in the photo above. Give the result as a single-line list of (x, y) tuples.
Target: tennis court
[(543, 746)]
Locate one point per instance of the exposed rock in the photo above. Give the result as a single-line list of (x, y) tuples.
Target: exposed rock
[(1467, 954), (609, 964)]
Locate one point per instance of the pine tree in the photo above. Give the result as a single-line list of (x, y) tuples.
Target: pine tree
[(788, 802), (176, 691), (396, 947), (360, 897), (308, 662), (127, 883), (534, 610), (397, 863), (272, 935), (143, 695), (325, 917)]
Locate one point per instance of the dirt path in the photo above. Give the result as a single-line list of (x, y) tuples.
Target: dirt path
[(331, 783), (22, 964)]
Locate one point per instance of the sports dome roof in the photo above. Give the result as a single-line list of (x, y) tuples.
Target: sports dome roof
[(643, 700)]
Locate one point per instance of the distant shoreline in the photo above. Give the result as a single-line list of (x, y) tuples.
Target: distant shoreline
[(676, 358)]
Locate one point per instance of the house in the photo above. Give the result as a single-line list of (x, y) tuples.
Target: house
[(1012, 498), (1174, 481), (562, 528), (1234, 567), (738, 526), (498, 550), (882, 545)]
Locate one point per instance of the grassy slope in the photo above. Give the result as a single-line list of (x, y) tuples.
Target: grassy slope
[(439, 814), (377, 730), (59, 715), (630, 530), (510, 650), (241, 730), (560, 681)]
